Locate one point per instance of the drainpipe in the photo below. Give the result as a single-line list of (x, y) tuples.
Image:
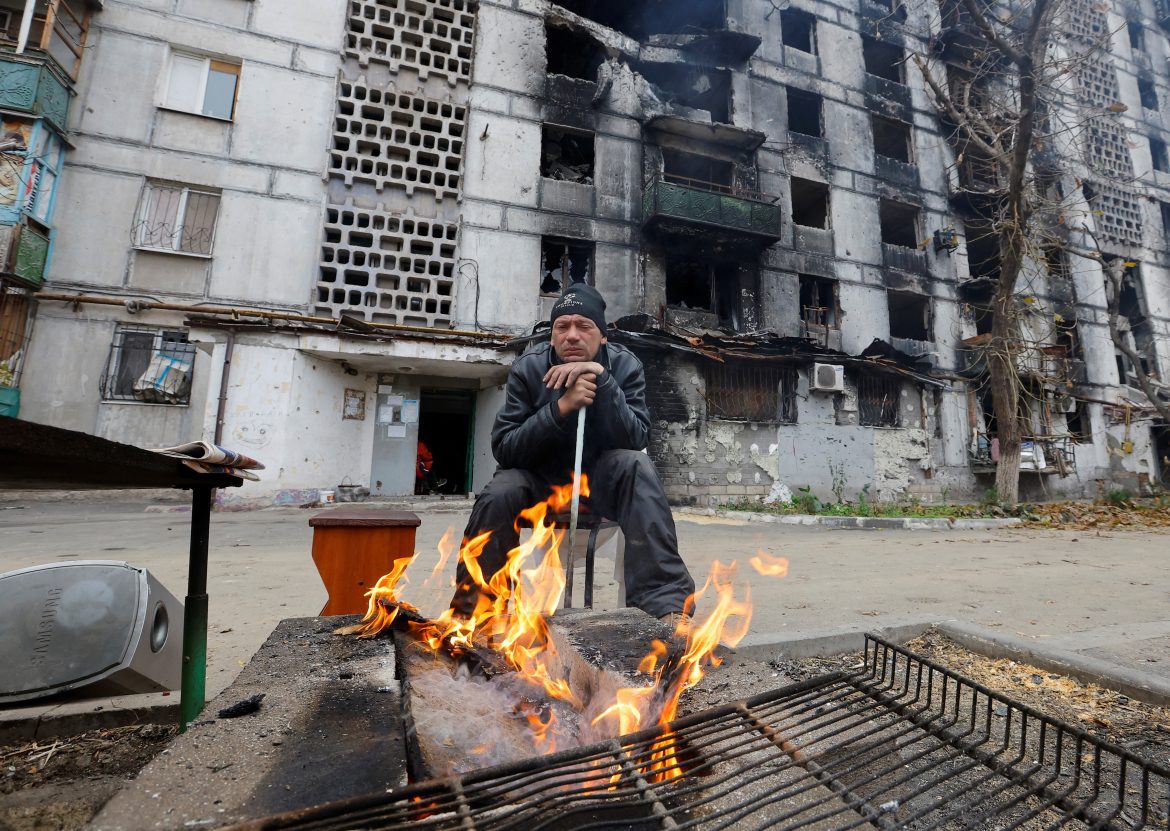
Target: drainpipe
[(221, 409)]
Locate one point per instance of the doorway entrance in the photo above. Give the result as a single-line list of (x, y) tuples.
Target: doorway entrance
[(445, 424)]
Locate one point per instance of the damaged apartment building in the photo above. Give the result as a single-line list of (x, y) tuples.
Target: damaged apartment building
[(335, 224)]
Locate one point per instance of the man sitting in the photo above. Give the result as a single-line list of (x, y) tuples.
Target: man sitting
[(534, 438)]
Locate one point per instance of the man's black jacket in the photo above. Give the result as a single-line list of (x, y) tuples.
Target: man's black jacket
[(530, 434)]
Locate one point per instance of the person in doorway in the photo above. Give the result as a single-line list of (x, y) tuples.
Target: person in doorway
[(425, 480), (534, 438)]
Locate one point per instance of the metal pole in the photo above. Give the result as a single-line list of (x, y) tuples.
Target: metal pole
[(194, 679), (574, 507)]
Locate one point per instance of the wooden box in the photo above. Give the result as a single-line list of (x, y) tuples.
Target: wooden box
[(353, 547)]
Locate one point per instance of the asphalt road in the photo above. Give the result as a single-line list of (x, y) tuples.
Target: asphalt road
[(1103, 593)]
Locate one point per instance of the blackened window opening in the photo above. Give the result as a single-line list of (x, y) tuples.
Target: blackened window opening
[(1079, 423), (1164, 208), (878, 399), (909, 315), (564, 262), (982, 251), (700, 88), (704, 286), (810, 203), (891, 139), (797, 30), (1158, 155), (805, 112), (566, 154), (819, 302), (641, 18), (751, 391), (1136, 39), (686, 168), (1147, 93), (882, 59), (572, 53), (899, 223)]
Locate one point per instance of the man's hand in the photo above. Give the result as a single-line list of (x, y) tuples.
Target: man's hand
[(579, 380), (566, 375)]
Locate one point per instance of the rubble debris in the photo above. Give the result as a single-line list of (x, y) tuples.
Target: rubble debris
[(242, 708)]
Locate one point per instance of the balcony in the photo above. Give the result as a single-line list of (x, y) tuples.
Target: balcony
[(32, 83), (675, 205), (1038, 454), (23, 252), (1048, 365)]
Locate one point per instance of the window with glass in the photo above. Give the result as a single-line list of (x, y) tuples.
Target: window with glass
[(202, 85)]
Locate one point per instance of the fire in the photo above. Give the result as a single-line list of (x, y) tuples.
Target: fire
[(511, 615), (769, 566)]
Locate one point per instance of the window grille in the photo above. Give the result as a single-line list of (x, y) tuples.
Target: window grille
[(15, 310), (751, 391), (149, 365), (176, 218), (878, 400)]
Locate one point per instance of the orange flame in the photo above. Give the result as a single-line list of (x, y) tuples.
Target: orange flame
[(511, 617), (768, 565)]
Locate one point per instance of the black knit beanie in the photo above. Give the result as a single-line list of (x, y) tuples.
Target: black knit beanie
[(581, 299)]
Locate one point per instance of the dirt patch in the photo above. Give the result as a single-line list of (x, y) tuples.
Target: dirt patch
[(61, 783)]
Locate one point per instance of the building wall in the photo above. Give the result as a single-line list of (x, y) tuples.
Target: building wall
[(363, 174)]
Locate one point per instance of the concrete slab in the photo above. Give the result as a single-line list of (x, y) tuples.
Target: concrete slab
[(329, 727), (66, 718)]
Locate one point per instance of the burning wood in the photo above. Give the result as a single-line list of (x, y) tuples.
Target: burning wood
[(532, 690)]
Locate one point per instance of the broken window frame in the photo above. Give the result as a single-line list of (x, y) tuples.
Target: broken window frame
[(546, 131), (894, 71), (809, 99), (591, 62), (893, 296), (879, 400), (202, 91), (131, 352), (565, 263), (810, 189), (170, 233), (1159, 156), (905, 134), (752, 391), (896, 225), (803, 29), (819, 316)]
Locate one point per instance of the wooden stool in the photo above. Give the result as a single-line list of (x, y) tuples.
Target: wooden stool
[(353, 547)]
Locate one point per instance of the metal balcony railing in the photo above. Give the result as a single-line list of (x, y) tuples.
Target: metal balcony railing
[(671, 200)]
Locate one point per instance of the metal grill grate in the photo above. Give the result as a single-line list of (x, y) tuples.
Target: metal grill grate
[(903, 743)]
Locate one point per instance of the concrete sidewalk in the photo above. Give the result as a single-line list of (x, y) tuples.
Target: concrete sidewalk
[(1097, 593)]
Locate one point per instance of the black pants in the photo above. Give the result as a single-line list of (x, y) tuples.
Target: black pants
[(624, 486)]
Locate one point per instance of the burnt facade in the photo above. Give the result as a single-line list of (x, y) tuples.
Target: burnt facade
[(764, 193), (741, 170)]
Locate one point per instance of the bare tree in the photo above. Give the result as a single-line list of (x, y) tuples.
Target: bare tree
[(996, 100)]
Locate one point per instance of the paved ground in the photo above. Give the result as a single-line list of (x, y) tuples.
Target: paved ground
[(1102, 593)]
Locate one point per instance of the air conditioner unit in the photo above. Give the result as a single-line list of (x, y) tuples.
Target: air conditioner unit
[(104, 626), (828, 378), (1065, 404)]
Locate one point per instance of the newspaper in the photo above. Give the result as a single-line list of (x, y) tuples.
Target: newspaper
[(205, 457)]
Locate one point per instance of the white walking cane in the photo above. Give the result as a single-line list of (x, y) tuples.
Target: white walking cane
[(574, 507)]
